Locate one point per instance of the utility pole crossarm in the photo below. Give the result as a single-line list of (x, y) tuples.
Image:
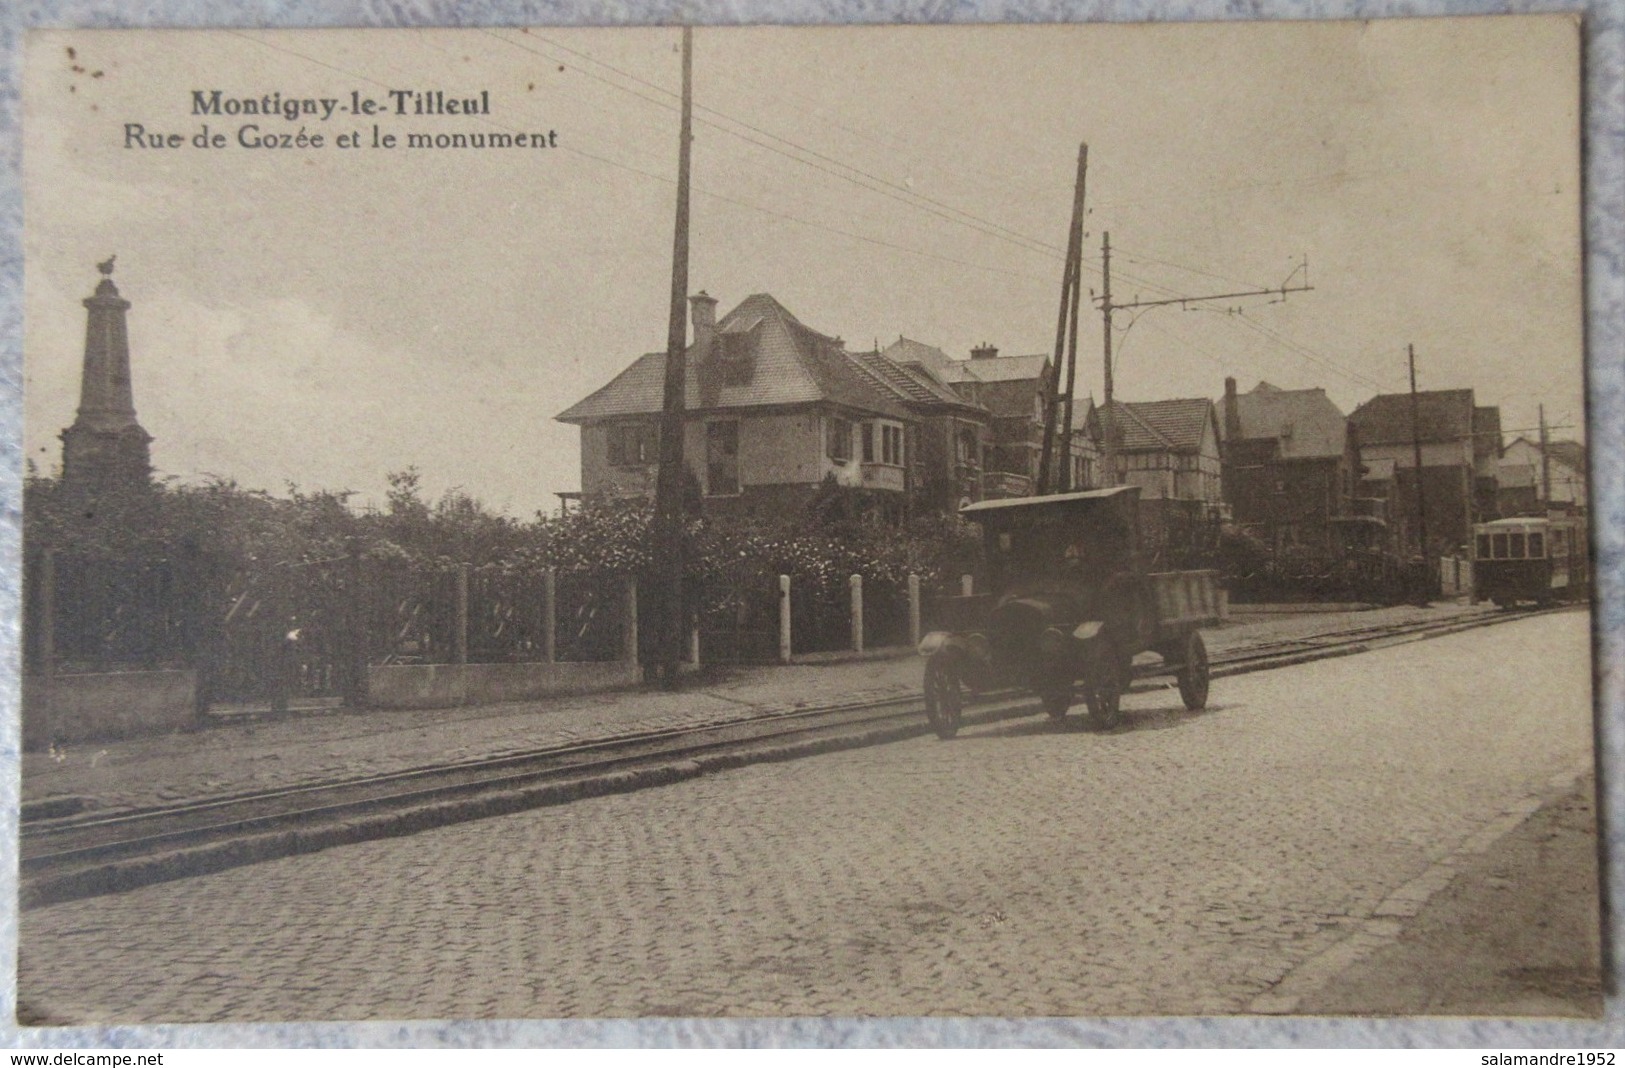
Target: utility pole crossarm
[(1281, 291)]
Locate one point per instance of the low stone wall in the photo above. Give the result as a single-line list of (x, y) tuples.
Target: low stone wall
[(452, 685), (106, 707)]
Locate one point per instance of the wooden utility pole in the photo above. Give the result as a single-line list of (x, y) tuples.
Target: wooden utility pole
[(667, 614), (1545, 463), (1108, 447), (1416, 449), (1069, 286), (1076, 240)]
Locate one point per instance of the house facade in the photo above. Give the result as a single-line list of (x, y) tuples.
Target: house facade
[(1532, 482), (1169, 448), (773, 409), (1010, 390), (1289, 473), (947, 437), (1457, 440)]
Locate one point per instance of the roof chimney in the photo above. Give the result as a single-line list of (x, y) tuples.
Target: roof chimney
[(984, 351), (703, 311), (1232, 413)]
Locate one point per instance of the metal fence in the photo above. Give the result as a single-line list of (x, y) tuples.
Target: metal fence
[(271, 633)]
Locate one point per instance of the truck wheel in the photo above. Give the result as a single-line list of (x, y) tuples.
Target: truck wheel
[(1193, 676), (944, 699), (1057, 697), (1103, 688)]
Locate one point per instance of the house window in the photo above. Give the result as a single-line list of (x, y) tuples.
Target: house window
[(891, 445), (868, 443), (722, 459), (966, 446), (633, 445), (839, 445)]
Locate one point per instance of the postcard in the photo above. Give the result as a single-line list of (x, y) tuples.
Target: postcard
[(1022, 521)]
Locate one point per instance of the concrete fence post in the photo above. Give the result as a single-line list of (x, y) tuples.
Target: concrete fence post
[(967, 585), (857, 613), (914, 609), (356, 626), (629, 644), (550, 616), (694, 645), (461, 636), (784, 619)]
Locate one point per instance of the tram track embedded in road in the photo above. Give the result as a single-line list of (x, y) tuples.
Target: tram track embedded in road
[(89, 853)]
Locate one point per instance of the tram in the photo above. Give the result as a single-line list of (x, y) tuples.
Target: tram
[(1540, 559)]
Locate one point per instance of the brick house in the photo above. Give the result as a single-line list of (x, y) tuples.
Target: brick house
[(1460, 445), (773, 409), (1289, 473)]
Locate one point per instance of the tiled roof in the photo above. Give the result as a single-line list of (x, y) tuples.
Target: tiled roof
[(1304, 421), (763, 356), (948, 369), (1007, 368), (913, 383), (1153, 426), (945, 367), (1443, 415)]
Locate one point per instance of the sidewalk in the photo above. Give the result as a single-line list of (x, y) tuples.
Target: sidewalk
[(349, 743)]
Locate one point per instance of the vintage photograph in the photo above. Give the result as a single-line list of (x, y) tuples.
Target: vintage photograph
[(1014, 521)]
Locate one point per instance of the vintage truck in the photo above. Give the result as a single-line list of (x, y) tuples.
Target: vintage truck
[(1069, 605)]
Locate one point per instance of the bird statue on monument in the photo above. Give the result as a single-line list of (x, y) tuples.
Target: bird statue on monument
[(106, 266)]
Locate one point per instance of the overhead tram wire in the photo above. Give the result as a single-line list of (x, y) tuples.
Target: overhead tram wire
[(986, 227), (1010, 233), (666, 179), (892, 190), (1307, 353)]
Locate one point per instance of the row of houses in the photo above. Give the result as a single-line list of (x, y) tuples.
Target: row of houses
[(776, 410)]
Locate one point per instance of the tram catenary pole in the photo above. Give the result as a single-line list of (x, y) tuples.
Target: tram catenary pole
[(1416, 450), (668, 613)]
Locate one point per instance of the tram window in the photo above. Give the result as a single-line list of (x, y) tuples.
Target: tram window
[(1560, 543), (1537, 545), (1500, 546), (1483, 546), (1516, 550)]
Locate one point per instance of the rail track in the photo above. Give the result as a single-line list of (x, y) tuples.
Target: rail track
[(88, 853)]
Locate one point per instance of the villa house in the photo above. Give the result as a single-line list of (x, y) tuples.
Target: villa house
[(773, 408)]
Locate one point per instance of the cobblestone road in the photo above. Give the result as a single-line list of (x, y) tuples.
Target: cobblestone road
[(347, 744), (1185, 864)]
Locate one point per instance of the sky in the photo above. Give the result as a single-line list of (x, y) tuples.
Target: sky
[(322, 316)]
